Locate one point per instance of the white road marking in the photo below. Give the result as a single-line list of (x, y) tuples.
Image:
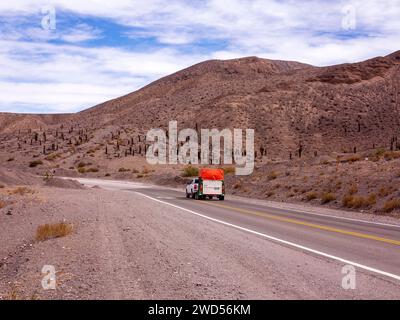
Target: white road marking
[(139, 185), (326, 255)]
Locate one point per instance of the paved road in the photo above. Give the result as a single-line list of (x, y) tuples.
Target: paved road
[(372, 247)]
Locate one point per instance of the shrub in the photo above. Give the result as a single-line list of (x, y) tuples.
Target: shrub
[(351, 201), (123, 170), (146, 171), (269, 194), (81, 170), (311, 196), (353, 189), (107, 175), (272, 175), (10, 159), (52, 156), (352, 158), (390, 155), (327, 197), (237, 185), (56, 230), (229, 170), (391, 205), (190, 171), (35, 163), (92, 170), (20, 190), (81, 164)]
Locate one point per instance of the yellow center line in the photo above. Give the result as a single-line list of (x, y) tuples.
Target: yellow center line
[(308, 224)]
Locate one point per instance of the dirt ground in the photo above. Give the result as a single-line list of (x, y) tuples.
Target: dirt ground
[(124, 247)]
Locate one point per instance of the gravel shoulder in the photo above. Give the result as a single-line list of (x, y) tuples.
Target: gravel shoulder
[(127, 247)]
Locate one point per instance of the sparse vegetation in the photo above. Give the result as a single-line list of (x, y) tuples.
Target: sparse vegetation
[(82, 170), (81, 164), (92, 170), (2, 204), (311, 196), (352, 201), (237, 185), (327, 197), (52, 156), (229, 170), (390, 155), (391, 205), (353, 189), (123, 170), (190, 171), (269, 194), (55, 230), (35, 163), (20, 191), (272, 175)]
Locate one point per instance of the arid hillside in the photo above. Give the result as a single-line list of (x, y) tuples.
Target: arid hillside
[(307, 119), (289, 104)]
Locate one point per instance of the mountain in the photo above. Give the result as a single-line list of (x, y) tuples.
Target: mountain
[(339, 108)]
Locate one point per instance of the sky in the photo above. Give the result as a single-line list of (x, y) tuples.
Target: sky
[(59, 56)]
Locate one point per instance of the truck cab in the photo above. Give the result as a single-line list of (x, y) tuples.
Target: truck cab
[(209, 184), (192, 187)]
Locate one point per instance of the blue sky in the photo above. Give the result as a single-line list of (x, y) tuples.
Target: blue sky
[(101, 49)]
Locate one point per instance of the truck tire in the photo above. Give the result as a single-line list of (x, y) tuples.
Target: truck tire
[(196, 196), (187, 195), (222, 198), (192, 195)]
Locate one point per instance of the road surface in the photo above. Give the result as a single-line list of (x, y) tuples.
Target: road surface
[(372, 248)]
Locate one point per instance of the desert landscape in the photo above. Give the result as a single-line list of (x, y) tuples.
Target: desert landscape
[(326, 141), (324, 135)]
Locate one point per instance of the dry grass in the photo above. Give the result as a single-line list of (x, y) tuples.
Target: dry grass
[(327, 197), (229, 170), (53, 156), (190, 171), (311, 196), (390, 155), (20, 191), (269, 194), (237, 185), (391, 205), (55, 230), (2, 204), (353, 189), (353, 158), (82, 170), (35, 163), (272, 175), (351, 201)]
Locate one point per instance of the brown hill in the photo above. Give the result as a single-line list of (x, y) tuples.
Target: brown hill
[(330, 109)]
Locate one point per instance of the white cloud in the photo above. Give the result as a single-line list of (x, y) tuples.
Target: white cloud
[(308, 31)]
